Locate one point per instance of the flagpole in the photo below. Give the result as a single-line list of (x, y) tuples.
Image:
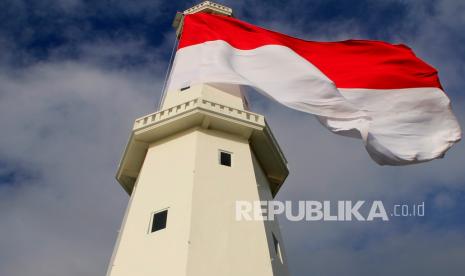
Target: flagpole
[(206, 6), (168, 73)]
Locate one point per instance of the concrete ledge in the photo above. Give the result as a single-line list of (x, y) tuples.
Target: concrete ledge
[(209, 115)]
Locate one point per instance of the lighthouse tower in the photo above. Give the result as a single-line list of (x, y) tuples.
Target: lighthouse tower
[(185, 167)]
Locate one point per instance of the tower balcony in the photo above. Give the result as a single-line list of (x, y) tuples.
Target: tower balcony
[(205, 114)]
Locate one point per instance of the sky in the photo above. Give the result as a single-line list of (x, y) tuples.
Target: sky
[(75, 74)]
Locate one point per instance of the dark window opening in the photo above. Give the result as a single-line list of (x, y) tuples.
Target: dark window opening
[(185, 88), (225, 158), (159, 221)]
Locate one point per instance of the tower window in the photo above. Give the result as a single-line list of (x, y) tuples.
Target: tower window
[(225, 158), (185, 88), (277, 248), (159, 221)]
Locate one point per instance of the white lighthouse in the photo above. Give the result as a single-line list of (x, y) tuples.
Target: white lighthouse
[(185, 167)]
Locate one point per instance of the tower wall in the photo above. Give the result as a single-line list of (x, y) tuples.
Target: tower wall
[(220, 245), (202, 237), (165, 181), (227, 94), (171, 164)]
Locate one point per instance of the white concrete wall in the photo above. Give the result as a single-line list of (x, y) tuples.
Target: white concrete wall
[(220, 245), (165, 181), (227, 94), (202, 237), (279, 263)]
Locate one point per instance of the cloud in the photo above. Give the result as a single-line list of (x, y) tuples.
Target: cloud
[(66, 110), (417, 252), (65, 124)]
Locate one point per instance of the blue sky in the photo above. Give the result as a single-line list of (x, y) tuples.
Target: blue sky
[(74, 75)]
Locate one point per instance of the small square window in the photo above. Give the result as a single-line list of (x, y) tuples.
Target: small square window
[(159, 221), (225, 158)]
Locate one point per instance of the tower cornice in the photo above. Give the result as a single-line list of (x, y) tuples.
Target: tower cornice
[(205, 6), (202, 114)]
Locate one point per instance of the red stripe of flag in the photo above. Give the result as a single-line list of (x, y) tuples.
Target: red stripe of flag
[(349, 64)]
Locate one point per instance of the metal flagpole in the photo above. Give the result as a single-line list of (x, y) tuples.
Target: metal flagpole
[(168, 72)]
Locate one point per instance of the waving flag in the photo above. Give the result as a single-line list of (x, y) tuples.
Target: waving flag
[(379, 92)]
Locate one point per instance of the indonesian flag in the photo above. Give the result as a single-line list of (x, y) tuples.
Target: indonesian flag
[(376, 91)]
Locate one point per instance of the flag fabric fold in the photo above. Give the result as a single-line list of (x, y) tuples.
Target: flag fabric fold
[(376, 91)]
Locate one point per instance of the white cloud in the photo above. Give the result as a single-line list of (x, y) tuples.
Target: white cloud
[(64, 124)]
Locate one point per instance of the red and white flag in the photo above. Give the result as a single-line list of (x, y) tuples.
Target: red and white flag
[(379, 92)]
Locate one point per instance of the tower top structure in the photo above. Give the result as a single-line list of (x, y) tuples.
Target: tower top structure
[(210, 7), (207, 7), (186, 168), (219, 107)]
